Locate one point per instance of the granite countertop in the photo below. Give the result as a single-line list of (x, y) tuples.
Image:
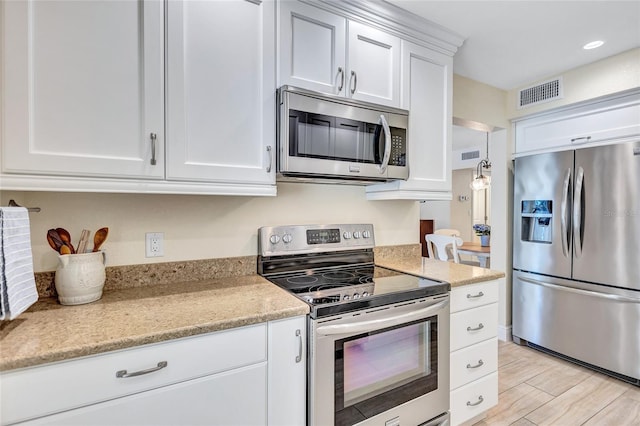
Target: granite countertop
[(128, 317), (130, 314), (453, 273)]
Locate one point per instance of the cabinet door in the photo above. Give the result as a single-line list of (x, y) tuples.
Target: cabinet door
[(374, 65), (236, 397), (83, 88), (312, 48), (221, 91), (427, 93), (288, 372)]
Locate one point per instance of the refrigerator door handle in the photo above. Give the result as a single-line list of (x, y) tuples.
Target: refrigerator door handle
[(577, 213), (614, 297), (563, 217)]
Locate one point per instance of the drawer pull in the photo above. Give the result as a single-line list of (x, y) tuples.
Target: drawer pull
[(479, 364), (122, 374), (479, 327), (475, 296), (473, 404)]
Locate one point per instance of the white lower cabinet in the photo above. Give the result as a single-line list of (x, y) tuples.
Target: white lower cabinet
[(244, 376), (474, 350)]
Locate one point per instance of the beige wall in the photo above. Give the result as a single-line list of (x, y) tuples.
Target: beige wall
[(611, 75), (202, 227)]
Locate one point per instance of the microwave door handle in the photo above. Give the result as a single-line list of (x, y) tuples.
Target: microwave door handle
[(563, 214), (371, 325), (387, 144), (577, 213)]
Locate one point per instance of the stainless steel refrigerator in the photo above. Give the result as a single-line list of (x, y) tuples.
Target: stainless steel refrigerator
[(576, 256)]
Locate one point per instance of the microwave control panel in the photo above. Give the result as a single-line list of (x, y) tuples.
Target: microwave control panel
[(398, 147)]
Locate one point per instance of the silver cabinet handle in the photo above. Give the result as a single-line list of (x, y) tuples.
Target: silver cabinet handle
[(122, 374), (479, 364), (563, 214), (583, 139), (153, 148), (270, 158), (354, 78), (479, 327), (341, 72), (480, 400), (299, 357), (475, 296), (577, 213)]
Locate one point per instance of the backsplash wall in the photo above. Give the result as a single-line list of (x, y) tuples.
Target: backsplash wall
[(204, 227)]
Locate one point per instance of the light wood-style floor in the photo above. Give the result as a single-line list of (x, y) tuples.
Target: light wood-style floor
[(539, 389)]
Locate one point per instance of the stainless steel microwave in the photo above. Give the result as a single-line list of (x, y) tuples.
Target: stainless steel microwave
[(329, 138)]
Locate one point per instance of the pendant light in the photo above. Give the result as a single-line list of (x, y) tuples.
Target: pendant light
[(481, 181)]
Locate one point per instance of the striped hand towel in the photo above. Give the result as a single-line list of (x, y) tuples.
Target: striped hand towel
[(17, 281)]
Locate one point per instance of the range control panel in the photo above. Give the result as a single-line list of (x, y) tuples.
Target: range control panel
[(301, 239)]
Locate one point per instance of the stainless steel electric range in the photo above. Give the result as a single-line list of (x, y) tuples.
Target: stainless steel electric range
[(378, 340)]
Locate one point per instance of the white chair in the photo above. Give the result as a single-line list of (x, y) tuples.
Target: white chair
[(441, 243)]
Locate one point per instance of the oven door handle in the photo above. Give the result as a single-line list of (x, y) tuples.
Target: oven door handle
[(376, 324)]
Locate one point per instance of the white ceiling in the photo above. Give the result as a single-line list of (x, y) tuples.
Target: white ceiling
[(511, 44)]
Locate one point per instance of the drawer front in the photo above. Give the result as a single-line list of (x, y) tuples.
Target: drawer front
[(473, 399), (38, 391), (474, 295), (473, 362), (473, 326)]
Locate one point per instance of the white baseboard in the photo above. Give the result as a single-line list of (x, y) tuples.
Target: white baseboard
[(504, 333)]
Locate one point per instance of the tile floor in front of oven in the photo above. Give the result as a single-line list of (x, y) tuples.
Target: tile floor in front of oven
[(538, 389)]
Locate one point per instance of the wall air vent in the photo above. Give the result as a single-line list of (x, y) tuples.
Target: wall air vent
[(470, 155), (540, 93)]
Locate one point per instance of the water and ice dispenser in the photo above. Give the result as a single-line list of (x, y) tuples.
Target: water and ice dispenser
[(537, 220)]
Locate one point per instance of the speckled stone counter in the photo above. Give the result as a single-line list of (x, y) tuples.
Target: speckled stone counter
[(453, 273), (135, 316)]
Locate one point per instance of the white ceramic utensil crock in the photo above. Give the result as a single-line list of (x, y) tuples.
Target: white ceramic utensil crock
[(80, 277)]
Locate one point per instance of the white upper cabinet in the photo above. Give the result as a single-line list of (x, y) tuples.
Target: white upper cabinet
[(374, 65), (84, 105), (328, 53), (427, 94), (83, 88), (602, 122), (221, 91), (312, 48)]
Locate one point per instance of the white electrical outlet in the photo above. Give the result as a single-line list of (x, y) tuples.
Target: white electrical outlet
[(154, 244)]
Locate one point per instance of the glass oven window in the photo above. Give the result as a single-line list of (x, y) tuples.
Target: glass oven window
[(380, 370)]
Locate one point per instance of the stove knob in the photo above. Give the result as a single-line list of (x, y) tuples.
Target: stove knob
[(356, 234), (346, 297), (346, 235), (366, 234), (365, 293), (287, 238), (274, 239), (356, 296)]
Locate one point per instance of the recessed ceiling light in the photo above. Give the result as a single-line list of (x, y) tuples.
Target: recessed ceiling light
[(593, 44)]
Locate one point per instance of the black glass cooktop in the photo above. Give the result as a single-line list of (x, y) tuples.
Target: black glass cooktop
[(336, 290)]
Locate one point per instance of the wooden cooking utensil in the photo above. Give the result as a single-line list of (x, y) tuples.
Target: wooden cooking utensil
[(99, 238), (54, 240), (66, 238)]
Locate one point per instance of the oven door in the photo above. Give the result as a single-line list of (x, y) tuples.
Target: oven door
[(387, 363)]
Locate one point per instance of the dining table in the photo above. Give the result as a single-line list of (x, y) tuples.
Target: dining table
[(483, 253)]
